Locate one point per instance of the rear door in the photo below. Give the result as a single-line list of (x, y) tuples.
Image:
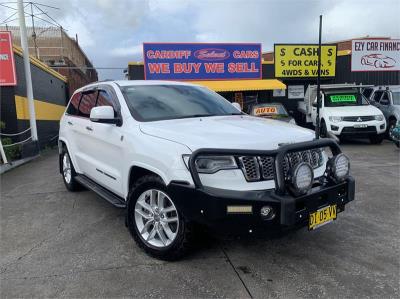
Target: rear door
[(105, 143)]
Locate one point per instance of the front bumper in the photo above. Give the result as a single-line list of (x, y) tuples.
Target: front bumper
[(353, 128), (209, 206)]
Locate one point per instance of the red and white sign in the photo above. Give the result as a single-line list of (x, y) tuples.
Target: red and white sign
[(371, 55), (8, 75)]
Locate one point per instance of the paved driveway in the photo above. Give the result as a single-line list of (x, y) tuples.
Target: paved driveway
[(60, 244)]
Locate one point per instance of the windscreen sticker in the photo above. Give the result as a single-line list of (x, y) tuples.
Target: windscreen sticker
[(350, 98), (265, 110)]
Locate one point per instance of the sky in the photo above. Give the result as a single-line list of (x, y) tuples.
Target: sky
[(111, 32)]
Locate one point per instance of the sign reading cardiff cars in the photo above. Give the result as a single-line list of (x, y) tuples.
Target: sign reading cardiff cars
[(371, 55), (301, 61), (195, 61), (7, 66)]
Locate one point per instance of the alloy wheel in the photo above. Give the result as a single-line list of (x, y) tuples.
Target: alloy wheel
[(67, 168), (156, 218)]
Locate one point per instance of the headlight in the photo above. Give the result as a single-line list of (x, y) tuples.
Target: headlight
[(378, 117), (212, 164), (302, 177), (335, 119), (339, 167)]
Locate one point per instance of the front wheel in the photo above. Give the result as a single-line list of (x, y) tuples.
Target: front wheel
[(392, 125), (155, 222), (68, 172), (376, 139)]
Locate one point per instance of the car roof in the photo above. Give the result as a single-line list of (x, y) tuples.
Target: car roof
[(134, 83)]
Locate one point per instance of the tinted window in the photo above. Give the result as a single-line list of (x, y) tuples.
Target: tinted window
[(104, 99), (367, 92), (160, 102), (385, 99), (377, 96), (74, 103), (88, 101)]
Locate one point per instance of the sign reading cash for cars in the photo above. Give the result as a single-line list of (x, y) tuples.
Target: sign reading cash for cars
[(301, 61), (375, 55)]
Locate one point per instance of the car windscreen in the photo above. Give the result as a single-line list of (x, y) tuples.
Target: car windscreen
[(269, 110), (162, 102), (396, 97), (344, 98)]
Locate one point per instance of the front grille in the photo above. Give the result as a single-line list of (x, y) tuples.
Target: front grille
[(256, 168), (352, 130), (358, 118)]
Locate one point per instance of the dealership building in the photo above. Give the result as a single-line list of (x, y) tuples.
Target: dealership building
[(289, 88)]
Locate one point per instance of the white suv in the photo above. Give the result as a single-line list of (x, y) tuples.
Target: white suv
[(178, 155)]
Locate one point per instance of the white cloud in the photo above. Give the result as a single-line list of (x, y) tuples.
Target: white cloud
[(127, 51)]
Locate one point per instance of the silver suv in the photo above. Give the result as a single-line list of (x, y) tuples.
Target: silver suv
[(387, 99)]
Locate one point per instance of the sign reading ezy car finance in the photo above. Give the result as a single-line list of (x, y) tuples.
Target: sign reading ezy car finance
[(369, 55), (201, 61), (301, 61)]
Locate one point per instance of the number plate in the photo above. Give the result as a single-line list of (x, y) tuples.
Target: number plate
[(321, 217), (360, 125)]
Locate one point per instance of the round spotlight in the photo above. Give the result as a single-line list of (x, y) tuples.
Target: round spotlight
[(340, 167), (267, 213), (302, 177)]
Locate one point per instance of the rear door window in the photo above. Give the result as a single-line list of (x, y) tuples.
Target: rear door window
[(88, 101), (74, 104)]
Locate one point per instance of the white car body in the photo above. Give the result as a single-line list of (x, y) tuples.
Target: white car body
[(357, 112), (158, 146)]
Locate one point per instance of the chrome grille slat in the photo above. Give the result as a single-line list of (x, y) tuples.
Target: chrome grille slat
[(256, 168), (356, 118)]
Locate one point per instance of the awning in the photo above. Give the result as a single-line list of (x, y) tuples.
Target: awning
[(242, 85)]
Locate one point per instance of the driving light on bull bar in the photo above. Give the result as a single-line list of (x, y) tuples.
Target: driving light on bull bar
[(302, 177), (212, 164), (340, 166)]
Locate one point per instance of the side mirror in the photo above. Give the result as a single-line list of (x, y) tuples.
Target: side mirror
[(105, 115), (237, 106)]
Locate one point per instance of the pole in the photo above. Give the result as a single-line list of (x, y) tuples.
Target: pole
[(27, 69), (317, 128), (34, 32)]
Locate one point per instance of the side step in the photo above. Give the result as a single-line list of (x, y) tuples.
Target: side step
[(112, 198)]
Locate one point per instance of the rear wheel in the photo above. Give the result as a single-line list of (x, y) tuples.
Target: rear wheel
[(376, 139), (392, 125), (155, 222), (68, 172)]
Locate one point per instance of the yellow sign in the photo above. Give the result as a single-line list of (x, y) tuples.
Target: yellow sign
[(301, 61), (265, 110)]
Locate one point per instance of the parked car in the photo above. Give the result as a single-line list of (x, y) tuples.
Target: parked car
[(177, 155), (344, 112), (273, 111), (387, 99), (395, 134)]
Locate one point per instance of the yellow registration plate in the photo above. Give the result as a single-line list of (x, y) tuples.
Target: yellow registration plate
[(322, 216)]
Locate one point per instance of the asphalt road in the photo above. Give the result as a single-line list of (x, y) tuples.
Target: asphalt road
[(60, 244)]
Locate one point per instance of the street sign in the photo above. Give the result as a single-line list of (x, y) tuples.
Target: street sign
[(301, 61), (374, 55), (8, 76), (202, 61)]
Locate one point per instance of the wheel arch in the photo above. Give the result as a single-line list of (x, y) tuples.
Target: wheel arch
[(137, 171)]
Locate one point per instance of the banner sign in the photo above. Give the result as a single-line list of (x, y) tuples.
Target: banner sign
[(8, 75), (371, 55), (301, 61), (198, 61), (295, 91)]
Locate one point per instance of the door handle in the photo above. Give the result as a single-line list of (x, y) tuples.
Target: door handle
[(70, 123), (89, 128)]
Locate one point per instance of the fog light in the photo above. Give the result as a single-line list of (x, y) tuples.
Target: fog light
[(339, 167), (302, 178), (267, 212), (334, 128), (382, 126)]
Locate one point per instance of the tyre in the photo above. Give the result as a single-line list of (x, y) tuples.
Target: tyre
[(391, 126), (68, 172), (323, 131), (376, 139), (155, 222)]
